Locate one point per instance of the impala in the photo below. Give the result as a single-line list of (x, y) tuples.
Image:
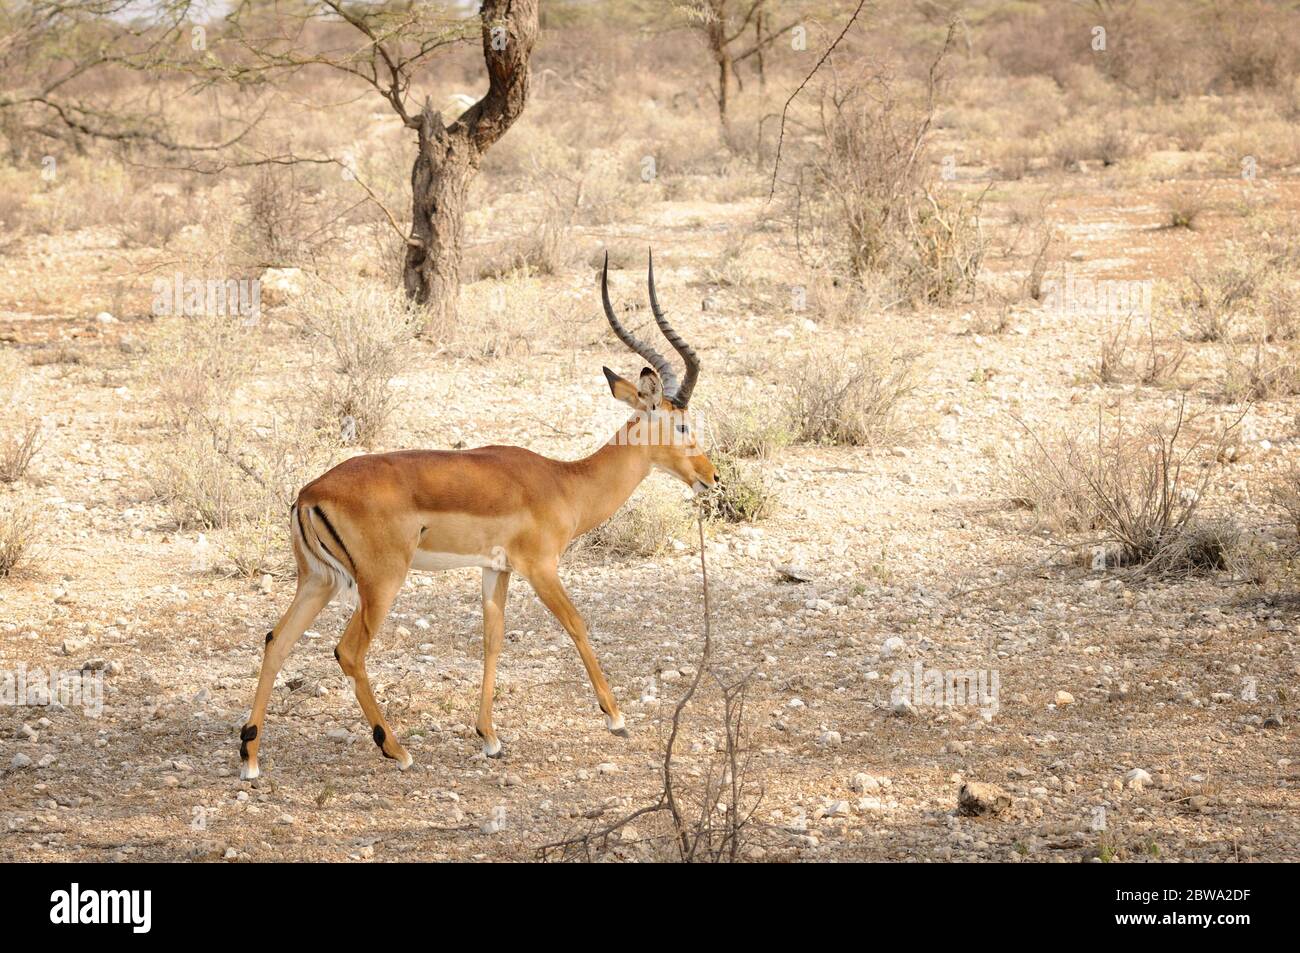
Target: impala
[(362, 526)]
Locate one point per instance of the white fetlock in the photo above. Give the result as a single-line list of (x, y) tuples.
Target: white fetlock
[(492, 747), (248, 771), (615, 722), (406, 762)]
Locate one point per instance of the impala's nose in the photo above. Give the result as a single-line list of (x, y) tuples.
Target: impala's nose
[(717, 477)]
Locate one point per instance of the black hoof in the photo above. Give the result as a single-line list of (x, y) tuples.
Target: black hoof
[(621, 733)]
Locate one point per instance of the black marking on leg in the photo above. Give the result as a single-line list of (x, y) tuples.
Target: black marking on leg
[(248, 733), (243, 751), (336, 655), (379, 735), (479, 733), (269, 637)]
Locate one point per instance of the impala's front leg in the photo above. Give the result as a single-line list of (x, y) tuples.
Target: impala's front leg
[(495, 586), (551, 591)]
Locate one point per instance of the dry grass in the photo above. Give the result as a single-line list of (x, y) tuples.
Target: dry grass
[(365, 333), (1258, 371), (649, 524), (849, 402), (18, 525), (1139, 491), (17, 449), (745, 495)]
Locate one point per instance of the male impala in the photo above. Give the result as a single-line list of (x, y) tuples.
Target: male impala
[(363, 525)]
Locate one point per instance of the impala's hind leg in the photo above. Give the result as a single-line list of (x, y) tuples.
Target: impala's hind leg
[(351, 653), (312, 596), (495, 586)]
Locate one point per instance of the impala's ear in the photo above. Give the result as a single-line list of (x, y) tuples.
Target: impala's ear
[(650, 389), (621, 389)]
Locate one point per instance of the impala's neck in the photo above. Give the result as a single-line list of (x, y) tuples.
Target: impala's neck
[(604, 480)]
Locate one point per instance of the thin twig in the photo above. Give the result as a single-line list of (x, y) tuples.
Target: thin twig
[(780, 140)]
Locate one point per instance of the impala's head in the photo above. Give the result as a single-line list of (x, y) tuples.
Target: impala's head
[(663, 422)]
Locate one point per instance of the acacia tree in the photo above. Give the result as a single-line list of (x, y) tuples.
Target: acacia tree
[(257, 43)]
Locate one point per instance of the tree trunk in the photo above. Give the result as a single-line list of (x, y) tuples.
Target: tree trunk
[(439, 184), (449, 156)]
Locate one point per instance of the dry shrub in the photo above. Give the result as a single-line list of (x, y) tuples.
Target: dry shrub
[(870, 174), (367, 331), (218, 469), (834, 400), (57, 354), (946, 248), (749, 428), (1184, 205), (296, 215), (1139, 490), (547, 249), (1153, 364), (17, 448), (1213, 302), (1094, 137), (20, 431), (647, 525), (150, 220), (511, 316), (744, 495), (1284, 492), (1262, 372), (18, 525)]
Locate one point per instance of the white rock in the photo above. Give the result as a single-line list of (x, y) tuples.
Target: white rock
[(893, 646), (1137, 779), (19, 762), (864, 783), (1063, 699), (830, 739)]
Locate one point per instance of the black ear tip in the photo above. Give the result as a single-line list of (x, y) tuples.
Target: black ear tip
[(609, 375)]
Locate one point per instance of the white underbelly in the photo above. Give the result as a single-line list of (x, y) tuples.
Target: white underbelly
[(433, 562)]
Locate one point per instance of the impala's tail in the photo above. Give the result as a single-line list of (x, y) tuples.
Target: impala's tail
[(321, 548)]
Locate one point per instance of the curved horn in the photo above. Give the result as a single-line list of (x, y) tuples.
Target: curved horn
[(657, 360), (682, 395)]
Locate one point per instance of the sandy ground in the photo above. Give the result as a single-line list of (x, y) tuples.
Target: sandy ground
[(913, 540)]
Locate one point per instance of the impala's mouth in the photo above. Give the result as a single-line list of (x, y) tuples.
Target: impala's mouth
[(699, 486)]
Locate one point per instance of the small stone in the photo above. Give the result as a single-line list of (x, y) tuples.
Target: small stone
[(19, 762), (607, 767), (830, 739), (1272, 721), (496, 821), (230, 853), (793, 574), (1063, 699), (838, 809), (864, 783), (285, 819), (978, 798), (1137, 779), (893, 646)]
